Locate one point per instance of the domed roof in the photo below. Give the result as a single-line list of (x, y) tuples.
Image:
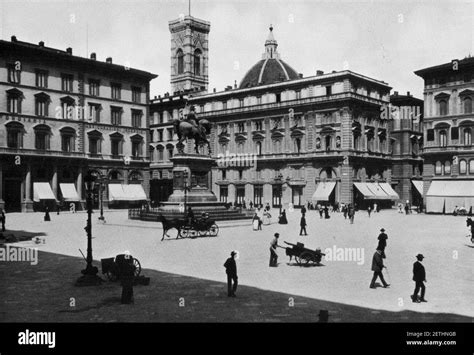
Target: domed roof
[(270, 69)]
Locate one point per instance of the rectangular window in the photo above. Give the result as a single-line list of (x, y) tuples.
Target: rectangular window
[(160, 135), (41, 141), (41, 78), (115, 147), (116, 91), (13, 104), (160, 154), (151, 135), (14, 138), (430, 135), (137, 118), (454, 132), (67, 82), (94, 145), (94, 112), (258, 125), (41, 108), (241, 174), (223, 193), (170, 134), (94, 86), (14, 74), (276, 195), (136, 149), (258, 195), (241, 127), (224, 174), (328, 90), (67, 143), (136, 94), (116, 116)]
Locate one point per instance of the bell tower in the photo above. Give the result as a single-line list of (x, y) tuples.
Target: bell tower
[(189, 54)]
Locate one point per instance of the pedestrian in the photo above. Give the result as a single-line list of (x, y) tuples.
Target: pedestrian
[(231, 271), (326, 212), (375, 208), (255, 222), (351, 213), (282, 219), (377, 267), (419, 276), (251, 205), (406, 208), (303, 225), (47, 218), (321, 211), (3, 219), (190, 215), (369, 210), (127, 276), (267, 207), (58, 208), (382, 242), (303, 210), (344, 210), (244, 206), (273, 253)]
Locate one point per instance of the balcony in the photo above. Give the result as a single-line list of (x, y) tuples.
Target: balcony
[(36, 152)]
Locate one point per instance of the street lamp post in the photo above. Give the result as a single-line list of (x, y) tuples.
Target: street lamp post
[(89, 274), (103, 184), (185, 176)]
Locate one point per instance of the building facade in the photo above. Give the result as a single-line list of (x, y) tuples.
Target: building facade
[(448, 169), (62, 116), (287, 139), (406, 133)]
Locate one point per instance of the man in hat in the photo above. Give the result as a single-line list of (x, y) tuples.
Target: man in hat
[(382, 242), (377, 266), (303, 225), (273, 253), (419, 276), (231, 271)]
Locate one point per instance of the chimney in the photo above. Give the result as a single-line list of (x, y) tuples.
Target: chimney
[(41, 44), (300, 75), (109, 60), (214, 90), (93, 56), (396, 93), (408, 93), (319, 72), (69, 50), (14, 39), (235, 84)]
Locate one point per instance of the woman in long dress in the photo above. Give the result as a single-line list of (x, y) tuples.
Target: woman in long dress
[(282, 219)]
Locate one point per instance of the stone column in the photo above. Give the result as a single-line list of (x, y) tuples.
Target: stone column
[(79, 189), (27, 203), (54, 181)]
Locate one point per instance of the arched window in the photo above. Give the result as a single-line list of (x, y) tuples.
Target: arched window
[(443, 108), (438, 168), (160, 153), (467, 136), (258, 145), (467, 105), (134, 176), (443, 139), (42, 135), (170, 149), (471, 166), (197, 62), (447, 167), (318, 143), (180, 56), (298, 145), (462, 167)]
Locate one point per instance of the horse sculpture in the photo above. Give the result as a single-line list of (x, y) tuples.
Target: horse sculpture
[(191, 129), (470, 223), (170, 224)]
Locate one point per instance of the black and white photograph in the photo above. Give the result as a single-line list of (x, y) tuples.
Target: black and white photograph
[(237, 163)]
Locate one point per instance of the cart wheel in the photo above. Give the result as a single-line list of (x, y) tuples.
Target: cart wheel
[(185, 232), (202, 233), (306, 257), (138, 267), (214, 230)]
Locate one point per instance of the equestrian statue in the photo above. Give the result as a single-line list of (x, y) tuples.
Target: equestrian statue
[(194, 128)]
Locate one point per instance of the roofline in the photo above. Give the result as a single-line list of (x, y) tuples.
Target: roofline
[(446, 66), (292, 82), (32, 47)]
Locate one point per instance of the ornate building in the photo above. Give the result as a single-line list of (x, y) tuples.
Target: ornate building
[(63, 115), (321, 138), (448, 169)]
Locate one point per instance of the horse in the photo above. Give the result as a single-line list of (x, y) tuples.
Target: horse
[(170, 224), (190, 129), (470, 223)]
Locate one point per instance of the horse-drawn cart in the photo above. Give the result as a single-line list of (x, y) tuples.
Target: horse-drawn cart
[(122, 264), (200, 227), (303, 256)]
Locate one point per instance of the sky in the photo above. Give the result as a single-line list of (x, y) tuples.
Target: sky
[(385, 40)]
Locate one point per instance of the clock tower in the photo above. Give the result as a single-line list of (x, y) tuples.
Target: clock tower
[(189, 54)]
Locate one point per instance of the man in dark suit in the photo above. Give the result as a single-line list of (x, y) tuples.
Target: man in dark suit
[(231, 271), (303, 225), (382, 242), (419, 276), (377, 266)]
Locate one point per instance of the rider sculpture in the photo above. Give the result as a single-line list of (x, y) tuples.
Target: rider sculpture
[(192, 127)]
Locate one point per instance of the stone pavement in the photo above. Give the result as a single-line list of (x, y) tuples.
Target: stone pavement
[(449, 259), (44, 293)]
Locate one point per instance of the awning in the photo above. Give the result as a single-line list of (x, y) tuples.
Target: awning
[(132, 192), (364, 190), (379, 193), (323, 191), (449, 193), (116, 193), (42, 191), (69, 192), (418, 185), (389, 190)]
